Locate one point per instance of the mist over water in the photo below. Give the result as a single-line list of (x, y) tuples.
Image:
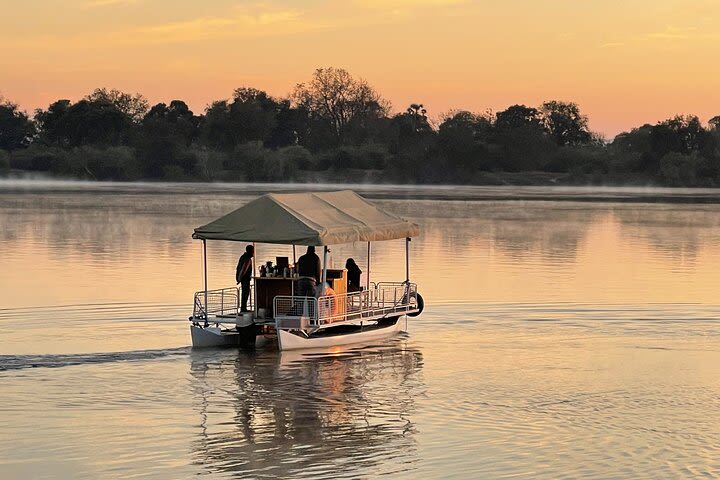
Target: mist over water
[(561, 339)]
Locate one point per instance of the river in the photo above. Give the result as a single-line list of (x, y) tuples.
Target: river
[(568, 333)]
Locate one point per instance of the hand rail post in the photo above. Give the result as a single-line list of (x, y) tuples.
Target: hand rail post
[(367, 275), (407, 259), (324, 272), (206, 281)]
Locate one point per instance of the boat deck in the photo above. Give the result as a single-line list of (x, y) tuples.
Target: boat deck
[(383, 300)]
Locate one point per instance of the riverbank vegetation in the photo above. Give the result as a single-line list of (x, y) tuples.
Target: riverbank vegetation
[(338, 128)]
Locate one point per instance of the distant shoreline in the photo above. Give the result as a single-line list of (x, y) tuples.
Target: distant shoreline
[(615, 194)]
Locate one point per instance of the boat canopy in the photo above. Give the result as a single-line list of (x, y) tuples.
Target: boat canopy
[(317, 218)]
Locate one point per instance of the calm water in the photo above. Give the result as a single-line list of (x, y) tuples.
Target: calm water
[(561, 339)]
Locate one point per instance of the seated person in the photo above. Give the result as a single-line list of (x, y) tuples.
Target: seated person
[(353, 276), (328, 306)]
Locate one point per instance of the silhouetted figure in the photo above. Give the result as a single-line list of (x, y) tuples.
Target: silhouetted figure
[(243, 275), (308, 268), (353, 276)]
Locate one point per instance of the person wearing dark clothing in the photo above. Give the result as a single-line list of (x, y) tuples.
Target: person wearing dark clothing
[(353, 276), (243, 275), (308, 266)]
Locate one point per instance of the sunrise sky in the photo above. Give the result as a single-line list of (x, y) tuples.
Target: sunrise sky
[(625, 62)]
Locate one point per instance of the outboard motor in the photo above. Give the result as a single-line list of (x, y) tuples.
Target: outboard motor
[(247, 331)]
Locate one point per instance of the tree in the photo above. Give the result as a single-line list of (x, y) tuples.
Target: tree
[(681, 134), (417, 120), (174, 120), (16, 129), (250, 117), (565, 124), (408, 131), (214, 126), (333, 96), (633, 150), (166, 133), (636, 140), (521, 136), (518, 116), (678, 170), (52, 123), (87, 122), (459, 139), (134, 106), (714, 123), (291, 126)]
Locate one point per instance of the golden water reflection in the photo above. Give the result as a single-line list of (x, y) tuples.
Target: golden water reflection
[(307, 414), (560, 340), (65, 249)]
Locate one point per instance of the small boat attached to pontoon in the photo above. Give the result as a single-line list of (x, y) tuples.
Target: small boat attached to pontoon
[(376, 311)]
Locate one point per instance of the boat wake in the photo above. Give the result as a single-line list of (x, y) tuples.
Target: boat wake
[(19, 362), (90, 312)]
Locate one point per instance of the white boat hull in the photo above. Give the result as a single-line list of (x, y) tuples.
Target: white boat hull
[(290, 341), (206, 337), (212, 337)]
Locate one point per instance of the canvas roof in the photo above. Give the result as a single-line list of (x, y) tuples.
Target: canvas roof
[(318, 218)]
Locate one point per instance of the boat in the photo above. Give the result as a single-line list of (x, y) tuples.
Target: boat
[(277, 314)]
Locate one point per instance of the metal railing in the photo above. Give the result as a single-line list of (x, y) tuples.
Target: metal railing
[(221, 302), (295, 312), (385, 299)]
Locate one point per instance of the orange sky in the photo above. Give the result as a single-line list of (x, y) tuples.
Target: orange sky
[(625, 62)]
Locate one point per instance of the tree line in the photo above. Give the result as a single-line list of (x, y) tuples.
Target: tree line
[(336, 127)]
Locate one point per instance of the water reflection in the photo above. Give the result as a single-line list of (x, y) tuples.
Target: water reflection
[(137, 247), (323, 415), (516, 229), (676, 232), (584, 333)]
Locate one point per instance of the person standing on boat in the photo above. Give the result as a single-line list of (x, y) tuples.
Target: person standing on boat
[(243, 275), (353, 276), (308, 268)]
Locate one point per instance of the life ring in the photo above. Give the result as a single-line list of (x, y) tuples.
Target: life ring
[(420, 305)]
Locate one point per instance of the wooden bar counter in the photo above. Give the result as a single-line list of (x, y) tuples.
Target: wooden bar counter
[(267, 288)]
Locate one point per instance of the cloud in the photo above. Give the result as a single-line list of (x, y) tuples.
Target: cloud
[(674, 36), (673, 33), (240, 25), (109, 3), (236, 24), (405, 4)]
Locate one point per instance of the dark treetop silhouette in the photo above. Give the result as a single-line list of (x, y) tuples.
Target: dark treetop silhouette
[(336, 127)]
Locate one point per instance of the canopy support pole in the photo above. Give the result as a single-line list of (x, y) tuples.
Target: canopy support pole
[(254, 290), (292, 277), (324, 272), (205, 278), (367, 277), (407, 260)]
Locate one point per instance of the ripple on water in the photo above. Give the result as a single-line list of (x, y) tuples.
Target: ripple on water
[(584, 344)]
